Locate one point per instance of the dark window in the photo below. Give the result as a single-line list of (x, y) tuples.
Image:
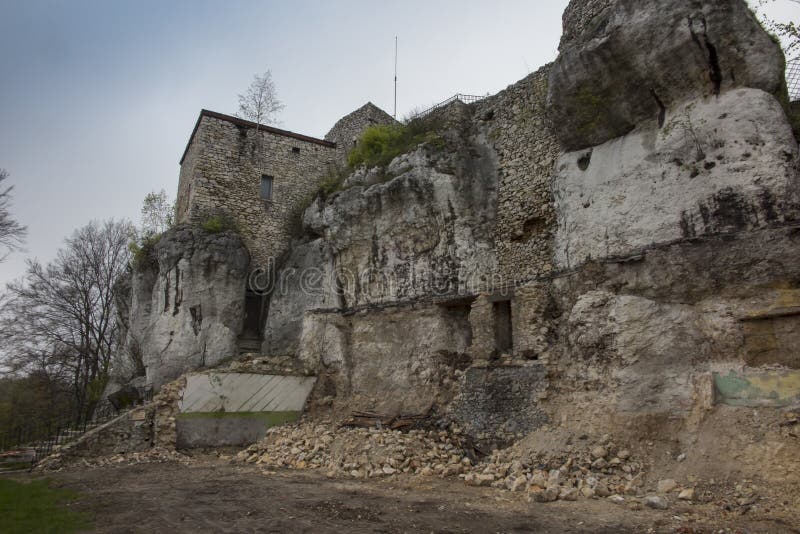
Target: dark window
[(503, 336), (253, 306), (295, 150), (266, 187)]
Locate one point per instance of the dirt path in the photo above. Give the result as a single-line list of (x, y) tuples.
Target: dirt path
[(218, 497)]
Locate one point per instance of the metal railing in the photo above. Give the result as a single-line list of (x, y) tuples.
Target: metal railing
[(458, 97), (36, 440), (793, 79)]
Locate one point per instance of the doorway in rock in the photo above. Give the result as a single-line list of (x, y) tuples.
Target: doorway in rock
[(503, 336), (250, 338)]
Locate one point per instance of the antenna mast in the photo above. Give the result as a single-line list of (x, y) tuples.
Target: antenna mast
[(395, 77)]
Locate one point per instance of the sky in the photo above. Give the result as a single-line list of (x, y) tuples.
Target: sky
[(98, 97)]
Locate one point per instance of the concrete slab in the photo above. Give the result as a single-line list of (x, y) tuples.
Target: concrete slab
[(222, 429), (243, 392)]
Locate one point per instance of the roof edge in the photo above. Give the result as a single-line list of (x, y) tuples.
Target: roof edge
[(249, 124)]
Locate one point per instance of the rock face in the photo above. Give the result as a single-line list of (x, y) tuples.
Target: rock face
[(718, 165), (636, 58), (677, 207), (423, 229), (378, 253), (187, 304), (586, 275), (422, 232), (651, 349)]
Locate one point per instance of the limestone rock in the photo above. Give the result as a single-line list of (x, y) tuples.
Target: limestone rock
[(599, 452), (720, 164), (666, 485), (637, 57), (656, 502), (305, 281), (187, 308), (546, 495), (652, 344)]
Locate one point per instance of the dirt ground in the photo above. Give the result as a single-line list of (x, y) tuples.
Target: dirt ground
[(214, 496)]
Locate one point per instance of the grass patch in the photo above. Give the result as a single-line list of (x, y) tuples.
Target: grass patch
[(216, 224), (15, 465), (144, 251), (333, 181), (36, 507), (381, 143)]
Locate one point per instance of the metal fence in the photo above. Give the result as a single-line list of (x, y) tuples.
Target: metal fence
[(36, 440), (466, 99), (793, 79)]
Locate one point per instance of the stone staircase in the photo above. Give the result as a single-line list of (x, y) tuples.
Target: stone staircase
[(25, 456), (22, 454), (249, 345)]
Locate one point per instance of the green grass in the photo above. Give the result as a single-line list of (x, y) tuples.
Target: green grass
[(380, 144), (269, 418), (217, 224), (15, 465), (35, 507), (144, 251)]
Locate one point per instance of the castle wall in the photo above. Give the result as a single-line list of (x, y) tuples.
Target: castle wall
[(515, 126), (221, 175), (348, 129)]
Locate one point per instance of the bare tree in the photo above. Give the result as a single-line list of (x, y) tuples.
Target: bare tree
[(787, 32), (12, 234), (260, 102), (60, 318), (158, 213)]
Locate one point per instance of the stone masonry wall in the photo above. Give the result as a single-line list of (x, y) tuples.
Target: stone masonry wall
[(130, 432), (498, 404), (348, 129), (515, 125), (221, 174), (579, 17)]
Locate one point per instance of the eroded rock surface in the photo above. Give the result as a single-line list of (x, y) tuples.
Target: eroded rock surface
[(635, 58), (188, 303), (719, 165)]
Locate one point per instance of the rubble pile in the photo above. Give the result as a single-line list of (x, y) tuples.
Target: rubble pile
[(358, 452), (166, 405), (602, 470), (157, 455)]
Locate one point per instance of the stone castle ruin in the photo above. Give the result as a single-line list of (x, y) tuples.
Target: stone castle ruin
[(607, 246)]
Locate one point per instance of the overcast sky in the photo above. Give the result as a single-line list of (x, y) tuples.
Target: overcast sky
[(98, 98)]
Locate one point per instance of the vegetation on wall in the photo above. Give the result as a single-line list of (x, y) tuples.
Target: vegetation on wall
[(218, 223), (377, 147), (143, 253), (380, 144)]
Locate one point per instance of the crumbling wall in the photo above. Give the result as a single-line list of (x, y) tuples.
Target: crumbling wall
[(514, 125), (221, 174), (127, 433), (348, 129), (499, 404), (396, 359)]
